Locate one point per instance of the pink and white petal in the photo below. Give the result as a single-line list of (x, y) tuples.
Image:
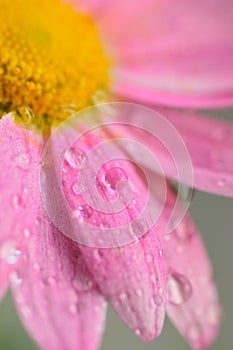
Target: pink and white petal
[(130, 273), (193, 304), (208, 141), (57, 298), (19, 157), (171, 53)]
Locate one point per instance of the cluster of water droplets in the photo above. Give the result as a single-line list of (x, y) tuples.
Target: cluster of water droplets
[(179, 289), (100, 196), (9, 251)]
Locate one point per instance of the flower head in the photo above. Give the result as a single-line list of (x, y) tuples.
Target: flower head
[(57, 58)]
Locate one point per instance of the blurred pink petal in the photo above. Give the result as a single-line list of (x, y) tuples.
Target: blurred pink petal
[(19, 154), (192, 296), (208, 141), (56, 296), (131, 277), (172, 53)]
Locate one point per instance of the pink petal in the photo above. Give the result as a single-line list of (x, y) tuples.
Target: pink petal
[(208, 141), (192, 296), (19, 154), (130, 273), (172, 53), (132, 280), (56, 296)]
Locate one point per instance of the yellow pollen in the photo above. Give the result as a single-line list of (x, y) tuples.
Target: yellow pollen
[(52, 62)]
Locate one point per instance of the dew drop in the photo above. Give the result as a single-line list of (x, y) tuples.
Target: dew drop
[(52, 281), (154, 278), (36, 267), (221, 183), (22, 160), (184, 232), (75, 157), (178, 288), (26, 311), (213, 315), (16, 201), (73, 309), (26, 233), (82, 282), (15, 278), (76, 188), (140, 292), (203, 280), (105, 225), (137, 332), (113, 176), (156, 300), (193, 333), (138, 228), (97, 255), (179, 249), (9, 252), (83, 212), (65, 168), (123, 296)]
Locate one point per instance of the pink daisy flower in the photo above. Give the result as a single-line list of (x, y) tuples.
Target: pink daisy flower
[(56, 60)]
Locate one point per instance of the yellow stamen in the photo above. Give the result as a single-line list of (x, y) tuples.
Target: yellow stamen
[(52, 61)]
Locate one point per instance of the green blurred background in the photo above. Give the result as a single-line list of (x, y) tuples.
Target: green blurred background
[(213, 216)]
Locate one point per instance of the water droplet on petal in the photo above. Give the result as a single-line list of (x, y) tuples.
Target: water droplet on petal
[(179, 289), (140, 292), (26, 311), (204, 280), (105, 225), (15, 278), (137, 332), (138, 228), (82, 282), (22, 160), (75, 157), (123, 296), (179, 249), (36, 267), (83, 212), (26, 233), (98, 254), (113, 176), (52, 281), (16, 201), (184, 232), (154, 278), (221, 183), (9, 252), (76, 188), (73, 309), (193, 333), (213, 315), (156, 300)]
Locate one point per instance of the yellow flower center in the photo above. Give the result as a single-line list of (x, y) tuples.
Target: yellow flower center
[(52, 62)]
